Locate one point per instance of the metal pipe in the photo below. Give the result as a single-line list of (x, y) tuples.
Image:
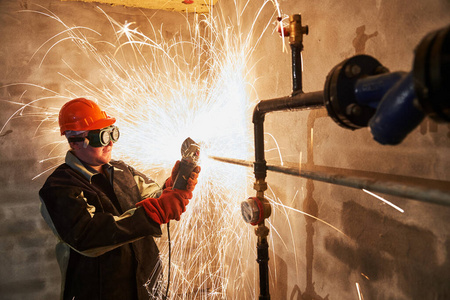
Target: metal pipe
[(260, 162), (295, 102), (298, 101), (297, 81), (424, 190), (296, 33), (397, 114), (263, 259), (371, 89)]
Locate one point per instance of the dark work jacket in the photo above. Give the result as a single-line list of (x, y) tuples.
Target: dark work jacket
[(106, 249)]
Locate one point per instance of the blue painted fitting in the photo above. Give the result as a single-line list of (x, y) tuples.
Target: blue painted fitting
[(396, 115), (370, 90)]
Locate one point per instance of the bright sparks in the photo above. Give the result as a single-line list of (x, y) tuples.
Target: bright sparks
[(161, 92), (360, 296), (384, 200)]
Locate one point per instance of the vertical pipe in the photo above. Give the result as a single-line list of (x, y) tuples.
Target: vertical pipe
[(297, 84), (263, 259), (260, 168), (296, 42)]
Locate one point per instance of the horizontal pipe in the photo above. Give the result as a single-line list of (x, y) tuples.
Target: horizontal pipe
[(424, 190), (298, 101)]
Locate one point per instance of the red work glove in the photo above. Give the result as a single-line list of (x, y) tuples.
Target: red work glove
[(192, 181), (173, 175), (169, 206)]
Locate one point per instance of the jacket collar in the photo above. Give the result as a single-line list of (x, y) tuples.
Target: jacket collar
[(76, 164)]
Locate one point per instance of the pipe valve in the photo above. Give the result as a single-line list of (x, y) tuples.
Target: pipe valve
[(296, 30)]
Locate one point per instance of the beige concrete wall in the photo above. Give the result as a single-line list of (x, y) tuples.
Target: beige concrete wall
[(391, 255)]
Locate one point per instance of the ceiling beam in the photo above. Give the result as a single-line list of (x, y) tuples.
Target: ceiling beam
[(198, 6)]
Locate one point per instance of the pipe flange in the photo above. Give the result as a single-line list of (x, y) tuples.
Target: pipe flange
[(432, 74), (339, 91)]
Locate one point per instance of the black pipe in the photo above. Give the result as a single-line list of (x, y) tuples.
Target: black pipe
[(298, 101), (263, 259), (296, 33), (297, 82)]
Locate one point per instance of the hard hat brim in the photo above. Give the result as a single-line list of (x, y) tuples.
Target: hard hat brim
[(99, 124)]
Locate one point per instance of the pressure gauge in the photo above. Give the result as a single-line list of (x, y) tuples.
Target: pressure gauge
[(252, 210)]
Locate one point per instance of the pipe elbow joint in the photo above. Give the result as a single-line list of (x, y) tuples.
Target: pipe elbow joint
[(397, 114), (258, 114)]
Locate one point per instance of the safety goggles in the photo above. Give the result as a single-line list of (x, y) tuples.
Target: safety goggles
[(99, 137)]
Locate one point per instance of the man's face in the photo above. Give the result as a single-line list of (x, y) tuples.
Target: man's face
[(94, 156)]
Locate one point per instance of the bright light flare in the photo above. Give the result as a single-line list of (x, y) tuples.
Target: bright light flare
[(191, 89), (306, 214)]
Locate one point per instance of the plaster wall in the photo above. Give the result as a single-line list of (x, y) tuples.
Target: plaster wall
[(391, 255)]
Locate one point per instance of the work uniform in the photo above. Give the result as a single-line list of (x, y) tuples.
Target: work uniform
[(106, 249)]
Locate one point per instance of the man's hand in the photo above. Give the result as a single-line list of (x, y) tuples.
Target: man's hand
[(169, 206), (169, 182), (192, 181)]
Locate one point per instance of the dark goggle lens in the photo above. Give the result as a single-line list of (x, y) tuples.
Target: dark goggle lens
[(102, 137)]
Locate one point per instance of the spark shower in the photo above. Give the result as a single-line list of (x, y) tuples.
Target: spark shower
[(160, 90)]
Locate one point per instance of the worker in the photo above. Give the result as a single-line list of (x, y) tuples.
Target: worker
[(105, 213)]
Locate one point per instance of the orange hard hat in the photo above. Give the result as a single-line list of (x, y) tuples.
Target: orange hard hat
[(82, 114)]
